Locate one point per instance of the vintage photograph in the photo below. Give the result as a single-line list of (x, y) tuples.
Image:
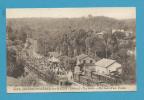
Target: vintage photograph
[(71, 49)]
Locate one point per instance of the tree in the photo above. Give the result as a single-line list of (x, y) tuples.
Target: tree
[(124, 60), (103, 46), (114, 43), (88, 44), (132, 68), (10, 33), (15, 66), (23, 37)]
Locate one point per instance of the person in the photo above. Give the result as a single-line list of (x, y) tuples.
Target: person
[(70, 75)]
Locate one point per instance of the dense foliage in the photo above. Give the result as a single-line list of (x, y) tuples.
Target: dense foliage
[(74, 36), (15, 67)]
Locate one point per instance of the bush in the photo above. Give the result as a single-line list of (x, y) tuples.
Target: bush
[(30, 80)]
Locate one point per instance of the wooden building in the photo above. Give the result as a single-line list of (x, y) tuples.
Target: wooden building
[(85, 59), (107, 66)]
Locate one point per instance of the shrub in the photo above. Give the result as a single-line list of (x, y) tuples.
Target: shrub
[(30, 80)]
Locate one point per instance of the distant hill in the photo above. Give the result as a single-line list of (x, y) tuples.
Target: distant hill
[(38, 26)]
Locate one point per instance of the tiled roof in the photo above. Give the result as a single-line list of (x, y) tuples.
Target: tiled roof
[(81, 56), (104, 62)]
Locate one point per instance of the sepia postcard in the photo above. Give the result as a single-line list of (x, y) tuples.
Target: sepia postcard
[(71, 49)]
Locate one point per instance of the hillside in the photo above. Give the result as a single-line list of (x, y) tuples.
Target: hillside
[(38, 26), (62, 34)]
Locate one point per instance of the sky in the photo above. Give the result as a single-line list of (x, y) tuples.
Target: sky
[(114, 12)]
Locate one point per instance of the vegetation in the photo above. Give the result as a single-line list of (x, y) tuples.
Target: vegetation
[(15, 67), (71, 37), (30, 80)]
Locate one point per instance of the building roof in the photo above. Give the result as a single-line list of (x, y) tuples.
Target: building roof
[(100, 33), (81, 56), (105, 62), (114, 66), (54, 54), (89, 64)]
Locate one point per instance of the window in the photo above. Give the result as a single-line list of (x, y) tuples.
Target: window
[(109, 71), (91, 61), (84, 61)]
